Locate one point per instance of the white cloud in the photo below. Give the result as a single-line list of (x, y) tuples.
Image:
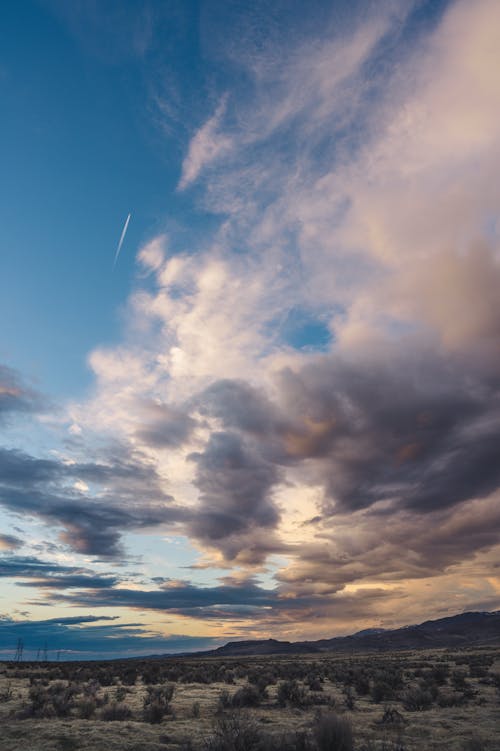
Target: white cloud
[(152, 255), (207, 145)]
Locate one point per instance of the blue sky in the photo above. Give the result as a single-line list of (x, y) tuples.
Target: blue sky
[(82, 149), (277, 414)]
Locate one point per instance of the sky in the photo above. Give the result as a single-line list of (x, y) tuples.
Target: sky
[(249, 288)]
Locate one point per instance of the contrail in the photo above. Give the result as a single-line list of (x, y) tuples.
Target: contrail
[(122, 238)]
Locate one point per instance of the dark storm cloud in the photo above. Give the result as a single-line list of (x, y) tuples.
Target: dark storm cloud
[(48, 575), (225, 602), (129, 497), (85, 637), (164, 426), (15, 396), (235, 484), (246, 603), (393, 547), (412, 430), (407, 427), (239, 405), (27, 566), (398, 425), (403, 440), (73, 581)]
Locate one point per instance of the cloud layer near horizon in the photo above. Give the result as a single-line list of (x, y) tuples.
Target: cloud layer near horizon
[(357, 185)]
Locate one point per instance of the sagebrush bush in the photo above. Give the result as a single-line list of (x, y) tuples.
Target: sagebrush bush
[(362, 684), (86, 708), (391, 716), (224, 701), (381, 691), (246, 696), (290, 692), (6, 694), (349, 699), (333, 733), (157, 702), (417, 699), (115, 712), (235, 732), (476, 743), (56, 700)]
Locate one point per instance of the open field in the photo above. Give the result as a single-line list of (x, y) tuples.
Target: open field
[(393, 701)]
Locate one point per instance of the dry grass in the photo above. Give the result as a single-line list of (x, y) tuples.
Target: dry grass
[(463, 710)]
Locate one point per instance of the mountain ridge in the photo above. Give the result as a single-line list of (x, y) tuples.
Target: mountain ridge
[(473, 628)]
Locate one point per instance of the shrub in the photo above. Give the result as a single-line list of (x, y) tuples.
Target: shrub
[(54, 701), (314, 683), (451, 700), (246, 696), (349, 699), (391, 716), (116, 712), (382, 691), (320, 699), (362, 684), (333, 733), (417, 699), (459, 679), (91, 688), (235, 733), (6, 694), (157, 702), (476, 743), (86, 708), (106, 678), (62, 703), (224, 700), (129, 677), (440, 673), (120, 693), (289, 692)]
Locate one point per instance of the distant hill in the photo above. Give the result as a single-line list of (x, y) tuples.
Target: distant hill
[(463, 630)]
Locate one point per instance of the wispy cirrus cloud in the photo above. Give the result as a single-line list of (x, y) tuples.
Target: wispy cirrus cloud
[(10, 542), (207, 145), (15, 396)]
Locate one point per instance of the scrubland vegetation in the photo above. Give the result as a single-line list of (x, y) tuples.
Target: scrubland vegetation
[(375, 702)]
